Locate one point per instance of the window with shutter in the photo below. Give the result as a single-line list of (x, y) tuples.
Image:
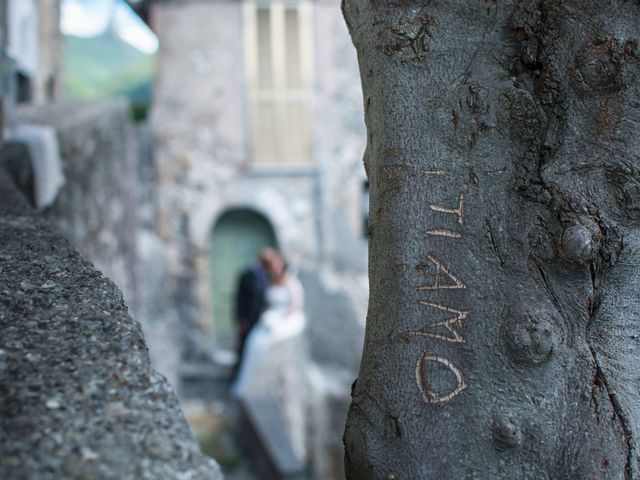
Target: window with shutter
[(278, 50)]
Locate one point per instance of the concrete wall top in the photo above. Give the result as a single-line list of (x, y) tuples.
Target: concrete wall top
[(79, 398)]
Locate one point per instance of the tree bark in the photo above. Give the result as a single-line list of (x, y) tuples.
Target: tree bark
[(503, 156)]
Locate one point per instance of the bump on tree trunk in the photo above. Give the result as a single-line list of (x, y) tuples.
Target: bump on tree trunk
[(503, 155)]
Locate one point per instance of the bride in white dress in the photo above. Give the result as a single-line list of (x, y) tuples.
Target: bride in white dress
[(282, 320)]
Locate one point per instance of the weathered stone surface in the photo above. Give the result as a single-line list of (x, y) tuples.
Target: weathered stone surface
[(106, 209), (15, 161), (335, 330), (328, 406), (78, 398), (96, 210), (334, 334), (12, 201)]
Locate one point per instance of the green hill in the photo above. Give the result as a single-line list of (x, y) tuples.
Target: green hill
[(106, 65)]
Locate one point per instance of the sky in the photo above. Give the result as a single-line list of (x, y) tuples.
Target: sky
[(88, 18)]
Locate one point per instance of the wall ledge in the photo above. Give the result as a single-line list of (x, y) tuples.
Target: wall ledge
[(78, 397)]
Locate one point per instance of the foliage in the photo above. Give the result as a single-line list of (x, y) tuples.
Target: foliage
[(105, 65)]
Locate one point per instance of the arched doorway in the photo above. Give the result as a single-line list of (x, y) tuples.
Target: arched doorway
[(234, 243)]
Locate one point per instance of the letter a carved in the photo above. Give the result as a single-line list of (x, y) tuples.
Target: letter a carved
[(451, 279)]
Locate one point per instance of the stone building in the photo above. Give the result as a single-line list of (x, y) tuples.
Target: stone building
[(30, 55), (258, 141)]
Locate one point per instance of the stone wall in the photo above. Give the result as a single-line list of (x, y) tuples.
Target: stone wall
[(96, 209), (339, 139), (106, 209), (78, 396)]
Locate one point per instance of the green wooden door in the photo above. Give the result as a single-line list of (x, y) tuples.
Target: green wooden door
[(235, 242)]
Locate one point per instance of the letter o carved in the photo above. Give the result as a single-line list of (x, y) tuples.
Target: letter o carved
[(429, 396)]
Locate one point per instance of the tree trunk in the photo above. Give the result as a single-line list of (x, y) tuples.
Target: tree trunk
[(503, 335)]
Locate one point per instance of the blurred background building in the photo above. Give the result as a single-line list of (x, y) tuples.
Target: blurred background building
[(254, 138), (258, 140), (31, 51)]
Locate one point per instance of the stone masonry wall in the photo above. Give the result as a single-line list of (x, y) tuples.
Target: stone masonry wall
[(96, 209), (106, 208), (78, 397)]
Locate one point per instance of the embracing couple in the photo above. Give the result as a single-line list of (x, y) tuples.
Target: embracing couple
[(269, 308)]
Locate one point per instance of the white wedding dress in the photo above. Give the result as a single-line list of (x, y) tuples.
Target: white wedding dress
[(282, 320)]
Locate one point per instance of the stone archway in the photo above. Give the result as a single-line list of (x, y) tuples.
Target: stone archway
[(234, 242)]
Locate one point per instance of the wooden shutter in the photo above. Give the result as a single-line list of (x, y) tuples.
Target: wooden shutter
[(278, 67)]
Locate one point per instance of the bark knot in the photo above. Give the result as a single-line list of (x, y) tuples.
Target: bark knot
[(578, 244), (506, 434), (530, 338)]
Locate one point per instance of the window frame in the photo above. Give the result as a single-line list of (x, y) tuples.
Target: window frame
[(278, 94)]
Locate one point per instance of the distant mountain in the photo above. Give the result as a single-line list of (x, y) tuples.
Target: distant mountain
[(106, 65)]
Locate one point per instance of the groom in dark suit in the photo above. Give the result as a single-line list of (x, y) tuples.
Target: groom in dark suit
[(250, 301)]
